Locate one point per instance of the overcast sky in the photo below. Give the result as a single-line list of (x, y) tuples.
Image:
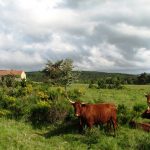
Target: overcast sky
[(99, 35)]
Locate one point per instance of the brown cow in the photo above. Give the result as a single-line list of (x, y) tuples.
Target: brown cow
[(143, 126), (91, 114), (146, 114)]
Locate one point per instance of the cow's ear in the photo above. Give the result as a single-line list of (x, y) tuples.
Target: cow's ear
[(145, 95)]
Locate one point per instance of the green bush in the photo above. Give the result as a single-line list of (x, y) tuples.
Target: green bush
[(53, 94), (39, 113), (76, 93), (124, 115), (7, 102), (139, 107), (92, 86), (43, 113), (5, 112), (42, 96)]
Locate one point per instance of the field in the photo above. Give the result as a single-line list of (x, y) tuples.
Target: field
[(63, 135)]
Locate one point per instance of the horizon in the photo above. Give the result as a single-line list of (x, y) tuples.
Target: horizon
[(96, 72), (103, 36)]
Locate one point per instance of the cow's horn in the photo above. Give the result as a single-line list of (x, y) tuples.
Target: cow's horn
[(71, 101), (145, 94), (83, 103)]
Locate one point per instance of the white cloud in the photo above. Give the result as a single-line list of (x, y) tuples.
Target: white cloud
[(106, 35), (58, 45)]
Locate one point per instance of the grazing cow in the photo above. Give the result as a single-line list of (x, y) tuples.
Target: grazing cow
[(146, 114), (148, 101), (91, 114), (143, 126)]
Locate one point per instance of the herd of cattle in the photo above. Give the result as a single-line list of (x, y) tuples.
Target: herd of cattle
[(105, 113)]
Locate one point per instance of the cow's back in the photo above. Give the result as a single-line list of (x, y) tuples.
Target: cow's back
[(99, 112)]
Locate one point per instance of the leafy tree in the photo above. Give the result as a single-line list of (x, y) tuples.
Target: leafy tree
[(61, 72), (143, 78), (102, 84)]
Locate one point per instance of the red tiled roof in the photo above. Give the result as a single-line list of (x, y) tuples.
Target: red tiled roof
[(10, 72)]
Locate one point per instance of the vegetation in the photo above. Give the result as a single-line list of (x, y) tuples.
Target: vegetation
[(37, 115), (89, 76), (46, 109), (60, 72)]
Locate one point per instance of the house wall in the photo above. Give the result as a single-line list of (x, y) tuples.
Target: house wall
[(23, 75)]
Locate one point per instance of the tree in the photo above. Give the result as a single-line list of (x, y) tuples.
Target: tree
[(53, 70), (60, 72), (142, 79)]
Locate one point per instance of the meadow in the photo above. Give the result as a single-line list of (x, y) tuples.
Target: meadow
[(21, 131)]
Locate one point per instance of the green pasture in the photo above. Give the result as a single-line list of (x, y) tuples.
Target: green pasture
[(21, 135), (129, 95)]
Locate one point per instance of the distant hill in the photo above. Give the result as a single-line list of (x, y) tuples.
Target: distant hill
[(95, 76), (85, 76)]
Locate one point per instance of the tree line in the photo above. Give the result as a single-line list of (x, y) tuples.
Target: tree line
[(62, 71)]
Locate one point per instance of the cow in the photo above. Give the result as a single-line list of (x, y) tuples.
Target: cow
[(91, 114), (146, 114), (143, 126), (148, 101)]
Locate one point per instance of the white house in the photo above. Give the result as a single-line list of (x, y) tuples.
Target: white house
[(20, 74)]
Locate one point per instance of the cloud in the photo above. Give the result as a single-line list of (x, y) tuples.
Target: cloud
[(106, 35)]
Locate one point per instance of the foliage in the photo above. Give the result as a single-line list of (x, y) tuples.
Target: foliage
[(8, 80), (60, 72), (124, 115), (110, 83), (43, 113), (58, 115), (87, 76), (143, 78), (23, 83), (139, 107), (4, 112), (76, 93)]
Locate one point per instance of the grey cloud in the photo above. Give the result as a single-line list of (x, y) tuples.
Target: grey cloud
[(83, 27)]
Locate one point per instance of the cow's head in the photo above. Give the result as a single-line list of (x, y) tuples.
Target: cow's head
[(147, 96), (77, 107)]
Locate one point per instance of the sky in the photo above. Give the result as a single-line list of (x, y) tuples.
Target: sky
[(98, 35)]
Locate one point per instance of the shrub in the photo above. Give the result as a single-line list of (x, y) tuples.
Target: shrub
[(42, 96), (76, 93), (4, 112), (8, 102), (29, 88), (61, 90), (39, 113), (23, 83), (139, 107), (43, 113), (102, 84), (124, 115), (53, 94), (92, 86)]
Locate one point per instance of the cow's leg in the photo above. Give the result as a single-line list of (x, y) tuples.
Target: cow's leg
[(80, 125), (114, 123), (109, 125), (90, 124)]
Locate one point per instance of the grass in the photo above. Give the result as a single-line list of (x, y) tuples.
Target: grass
[(18, 135)]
